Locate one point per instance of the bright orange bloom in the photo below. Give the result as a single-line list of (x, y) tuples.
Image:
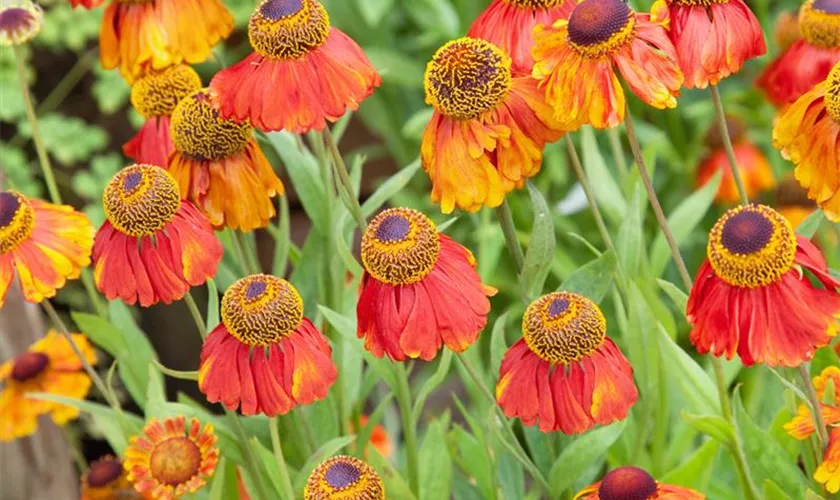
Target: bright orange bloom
[(344, 478), (565, 371), (171, 459), (633, 483), (808, 134), (509, 24), (420, 289), (220, 167), (828, 473), (576, 61), (807, 61), (138, 36), (107, 480), (379, 437), (302, 73), (44, 244), (265, 357), (754, 168), (752, 297), (714, 38), (153, 246), (488, 129), (155, 96), (49, 365)]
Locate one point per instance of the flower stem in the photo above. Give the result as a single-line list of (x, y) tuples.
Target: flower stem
[(238, 252), (587, 189), (250, 457), (816, 407), (344, 184), (403, 393), (196, 315), (509, 230), (285, 479), (727, 145)]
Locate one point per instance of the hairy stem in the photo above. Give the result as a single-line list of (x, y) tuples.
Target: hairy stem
[(587, 189), (509, 229), (727, 144), (340, 170), (196, 315), (403, 393)]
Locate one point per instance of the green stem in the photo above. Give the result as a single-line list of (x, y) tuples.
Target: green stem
[(196, 315), (816, 407), (238, 252), (403, 393), (617, 150), (303, 425), (93, 296), (250, 456), (285, 479), (509, 230), (590, 196), (340, 169), (727, 144)]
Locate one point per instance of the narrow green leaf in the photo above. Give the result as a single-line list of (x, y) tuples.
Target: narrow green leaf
[(607, 192), (498, 344), (679, 297), (224, 484), (373, 12), (711, 425), (432, 383), (326, 450), (305, 174), (269, 466), (580, 455), (212, 305), (389, 188), (541, 246), (593, 279), (395, 485), (435, 464), (628, 243), (808, 227), (696, 470), (694, 383)]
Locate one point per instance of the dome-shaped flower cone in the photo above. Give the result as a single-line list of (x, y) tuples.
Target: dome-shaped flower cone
[(420, 289), (344, 478), (153, 246), (753, 295), (106, 479), (302, 74), (577, 61), (265, 357), (633, 483), (565, 373), (43, 244)]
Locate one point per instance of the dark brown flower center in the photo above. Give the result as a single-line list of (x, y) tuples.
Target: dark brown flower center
[(9, 205), (828, 6), (288, 29), (15, 19), (278, 9), (627, 483), (562, 327), (746, 233), (141, 200), (400, 246), (29, 365), (340, 475), (819, 23), (175, 461), (557, 307), (393, 228), (17, 218), (261, 310), (597, 27), (103, 472), (158, 92), (198, 130)]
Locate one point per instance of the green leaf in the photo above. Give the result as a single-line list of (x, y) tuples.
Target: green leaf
[(498, 344), (389, 188), (593, 279), (363, 437), (435, 464), (304, 171), (694, 383), (224, 484), (580, 455), (395, 485), (808, 227), (682, 221), (696, 470), (326, 450), (432, 383), (395, 67), (773, 491), (607, 192), (212, 305), (373, 12), (679, 297), (711, 425), (629, 241), (541, 246)]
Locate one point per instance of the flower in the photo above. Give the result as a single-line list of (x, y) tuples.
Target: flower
[(88, 4), (153, 246), (169, 460), (808, 134), (792, 201), (420, 289), (44, 244), (138, 36), (107, 480), (20, 22), (576, 62), (219, 165), (344, 478), (509, 24), (828, 473), (488, 128), (265, 356), (565, 371), (787, 29), (633, 483), (51, 366), (155, 96), (752, 295), (807, 61), (323, 71), (713, 38), (379, 437)]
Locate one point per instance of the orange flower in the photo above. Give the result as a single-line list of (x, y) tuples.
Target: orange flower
[(419, 291), (44, 244), (807, 61), (565, 371), (636, 484), (220, 167), (752, 297), (509, 24), (153, 246), (576, 62), (714, 38), (808, 134), (828, 473), (265, 355), (302, 73), (143, 35), (488, 128), (344, 478), (155, 96), (754, 168), (49, 365), (107, 480), (88, 4), (169, 459)]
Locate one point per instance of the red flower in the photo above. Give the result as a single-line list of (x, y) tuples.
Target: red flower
[(265, 357), (88, 4), (420, 289), (714, 38), (302, 73), (752, 295), (565, 371), (153, 247), (633, 483), (155, 96), (754, 168), (509, 24)]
